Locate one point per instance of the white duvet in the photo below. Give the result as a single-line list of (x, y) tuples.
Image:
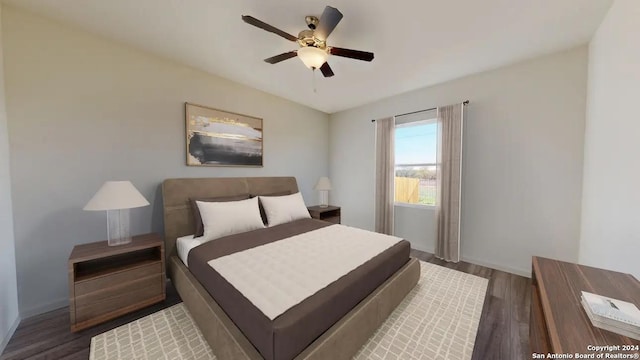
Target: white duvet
[(281, 274)]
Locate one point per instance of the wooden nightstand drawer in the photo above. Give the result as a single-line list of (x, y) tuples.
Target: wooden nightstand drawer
[(117, 279), (109, 281), (122, 296), (328, 213), (333, 219)]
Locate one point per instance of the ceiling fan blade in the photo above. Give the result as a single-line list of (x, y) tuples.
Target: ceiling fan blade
[(326, 70), (328, 21), (264, 26), (284, 56), (353, 54)]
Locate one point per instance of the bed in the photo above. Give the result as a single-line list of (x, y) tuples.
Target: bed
[(317, 330)]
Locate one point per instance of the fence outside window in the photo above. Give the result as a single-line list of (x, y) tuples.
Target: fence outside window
[(416, 184)]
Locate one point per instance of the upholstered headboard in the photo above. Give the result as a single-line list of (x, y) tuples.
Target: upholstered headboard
[(178, 219)]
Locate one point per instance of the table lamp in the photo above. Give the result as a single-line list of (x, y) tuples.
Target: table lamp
[(323, 186), (116, 198)]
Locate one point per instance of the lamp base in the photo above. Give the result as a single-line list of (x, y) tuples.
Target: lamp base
[(118, 227), (119, 241), (324, 198)]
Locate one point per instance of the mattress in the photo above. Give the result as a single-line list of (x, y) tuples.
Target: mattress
[(184, 245), (287, 335), (279, 275)]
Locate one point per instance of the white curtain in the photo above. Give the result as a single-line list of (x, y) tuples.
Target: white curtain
[(385, 174), (449, 181)]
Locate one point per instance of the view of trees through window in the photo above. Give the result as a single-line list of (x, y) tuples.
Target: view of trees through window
[(415, 156)]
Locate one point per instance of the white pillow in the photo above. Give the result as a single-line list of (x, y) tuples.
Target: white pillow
[(284, 209), (228, 218)]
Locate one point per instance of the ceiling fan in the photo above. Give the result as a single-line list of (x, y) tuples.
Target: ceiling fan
[(313, 42)]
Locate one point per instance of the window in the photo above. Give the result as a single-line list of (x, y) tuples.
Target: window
[(415, 155)]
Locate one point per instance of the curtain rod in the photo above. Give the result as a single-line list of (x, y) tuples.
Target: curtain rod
[(466, 102)]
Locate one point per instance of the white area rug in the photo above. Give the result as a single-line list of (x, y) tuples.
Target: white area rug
[(437, 320)]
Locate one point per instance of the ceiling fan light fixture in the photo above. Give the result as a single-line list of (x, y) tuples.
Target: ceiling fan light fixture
[(312, 57)]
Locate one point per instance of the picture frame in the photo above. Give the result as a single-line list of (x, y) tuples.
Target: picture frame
[(217, 137)]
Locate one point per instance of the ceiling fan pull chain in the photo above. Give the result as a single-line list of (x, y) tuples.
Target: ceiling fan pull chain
[(313, 70)]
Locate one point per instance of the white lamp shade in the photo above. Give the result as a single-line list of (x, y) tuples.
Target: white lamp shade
[(312, 57), (114, 195), (323, 184)]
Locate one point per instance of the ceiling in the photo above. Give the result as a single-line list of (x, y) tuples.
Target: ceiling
[(417, 43)]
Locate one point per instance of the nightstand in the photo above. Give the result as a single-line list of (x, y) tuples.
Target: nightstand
[(109, 281), (330, 213)]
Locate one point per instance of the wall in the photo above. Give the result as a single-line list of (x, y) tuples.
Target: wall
[(418, 225), (610, 236), (8, 288), (83, 110), (522, 166)]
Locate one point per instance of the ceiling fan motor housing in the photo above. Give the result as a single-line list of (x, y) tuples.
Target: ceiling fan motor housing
[(307, 38), (312, 22)]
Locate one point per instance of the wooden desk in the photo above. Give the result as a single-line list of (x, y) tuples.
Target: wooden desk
[(558, 323)]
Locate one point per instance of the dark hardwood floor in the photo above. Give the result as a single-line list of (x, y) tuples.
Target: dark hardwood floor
[(48, 336), (503, 332)]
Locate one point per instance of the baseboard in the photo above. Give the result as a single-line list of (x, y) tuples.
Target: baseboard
[(41, 309), (509, 269), (12, 329), (423, 249), (475, 261)]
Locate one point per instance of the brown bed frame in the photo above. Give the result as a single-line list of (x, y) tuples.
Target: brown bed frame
[(341, 341)]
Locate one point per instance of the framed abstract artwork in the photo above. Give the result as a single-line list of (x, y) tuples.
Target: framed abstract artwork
[(222, 138)]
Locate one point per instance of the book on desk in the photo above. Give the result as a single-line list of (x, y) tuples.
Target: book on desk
[(614, 315)]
